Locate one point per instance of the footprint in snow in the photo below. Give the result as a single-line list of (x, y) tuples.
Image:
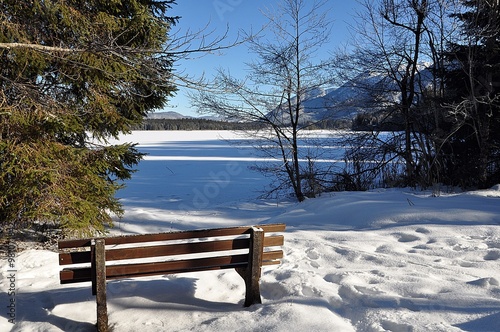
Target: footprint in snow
[(423, 230), (422, 247), (310, 291), (312, 254), (467, 264), (493, 244), (388, 325), (334, 278), (283, 275), (484, 282), (492, 256), (274, 291), (403, 237)]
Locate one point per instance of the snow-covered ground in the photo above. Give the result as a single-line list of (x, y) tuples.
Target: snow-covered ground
[(383, 260)]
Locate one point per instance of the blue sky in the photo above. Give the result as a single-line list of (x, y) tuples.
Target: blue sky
[(236, 15)]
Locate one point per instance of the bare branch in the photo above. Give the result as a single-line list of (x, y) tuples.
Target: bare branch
[(38, 47)]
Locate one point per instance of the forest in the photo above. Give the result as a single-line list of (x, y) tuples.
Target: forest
[(207, 124)]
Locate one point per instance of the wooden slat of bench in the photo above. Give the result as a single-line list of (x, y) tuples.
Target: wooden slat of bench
[(75, 275), (171, 236), (146, 269), (77, 257), (169, 250), (176, 249), (187, 248), (79, 243), (272, 257), (199, 264)]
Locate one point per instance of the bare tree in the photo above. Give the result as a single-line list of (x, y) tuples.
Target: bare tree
[(403, 42), (277, 86)]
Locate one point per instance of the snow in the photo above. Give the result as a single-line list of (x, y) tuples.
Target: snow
[(383, 260)]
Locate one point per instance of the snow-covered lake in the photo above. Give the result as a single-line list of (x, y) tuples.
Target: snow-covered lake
[(383, 260)]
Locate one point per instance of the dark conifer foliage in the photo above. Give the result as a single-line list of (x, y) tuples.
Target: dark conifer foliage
[(473, 93), (73, 74), (447, 109)]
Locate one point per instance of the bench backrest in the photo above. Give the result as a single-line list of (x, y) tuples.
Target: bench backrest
[(166, 253)]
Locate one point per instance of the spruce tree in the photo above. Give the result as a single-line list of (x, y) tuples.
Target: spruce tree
[(73, 74), (473, 91)]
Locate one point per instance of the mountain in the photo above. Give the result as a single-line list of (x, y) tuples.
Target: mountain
[(345, 102), (367, 92), (171, 115)]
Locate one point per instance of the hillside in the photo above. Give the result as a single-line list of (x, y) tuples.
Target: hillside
[(170, 115), (366, 93)]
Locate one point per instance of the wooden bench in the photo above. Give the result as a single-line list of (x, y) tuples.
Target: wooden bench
[(245, 249)]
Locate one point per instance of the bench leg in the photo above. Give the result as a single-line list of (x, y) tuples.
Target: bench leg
[(99, 285), (251, 274)]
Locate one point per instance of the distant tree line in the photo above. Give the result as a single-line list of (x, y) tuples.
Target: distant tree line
[(208, 124), (195, 124)]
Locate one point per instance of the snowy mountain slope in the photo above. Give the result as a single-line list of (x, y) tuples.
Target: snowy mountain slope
[(171, 115), (367, 92)]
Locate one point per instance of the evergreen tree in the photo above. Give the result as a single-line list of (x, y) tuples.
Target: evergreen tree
[(73, 74), (473, 91)]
